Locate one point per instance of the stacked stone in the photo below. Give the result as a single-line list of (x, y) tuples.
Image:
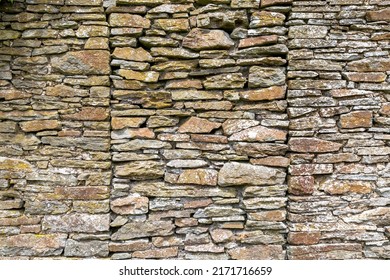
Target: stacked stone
[(198, 129), (338, 109), (54, 129)]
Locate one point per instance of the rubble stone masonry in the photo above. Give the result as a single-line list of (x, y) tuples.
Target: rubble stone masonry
[(195, 129)]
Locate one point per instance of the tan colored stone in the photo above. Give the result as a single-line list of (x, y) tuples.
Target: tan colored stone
[(148, 77), (138, 54), (340, 187), (198, 125), (173, 25), (225, 81), (89, 114), (120, 123), (128, 20), (209, 138), (38, 125), (257, 41), (140, 170), (207, 177), (65, 91), (203, 39), (356, 119), (131, 205), (313, 145)]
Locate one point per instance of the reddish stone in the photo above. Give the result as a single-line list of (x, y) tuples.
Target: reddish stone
[(128, 246), (257, 41), (197, 203), (276, 161), (304, 238), (301, 185), (89, 114)]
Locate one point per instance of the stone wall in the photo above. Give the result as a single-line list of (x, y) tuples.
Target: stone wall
[(194, 129)]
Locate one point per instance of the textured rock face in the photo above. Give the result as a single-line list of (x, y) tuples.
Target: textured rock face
[(194, 129)]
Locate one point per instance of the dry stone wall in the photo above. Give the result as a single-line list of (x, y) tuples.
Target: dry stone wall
[(194, 129)]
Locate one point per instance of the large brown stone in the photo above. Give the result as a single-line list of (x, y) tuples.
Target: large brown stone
[(89, 114), (313, 145), (381, 15), (87, 62), (237, 174), (271, 93), (257, 252), (356, 119), (203, 39)]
